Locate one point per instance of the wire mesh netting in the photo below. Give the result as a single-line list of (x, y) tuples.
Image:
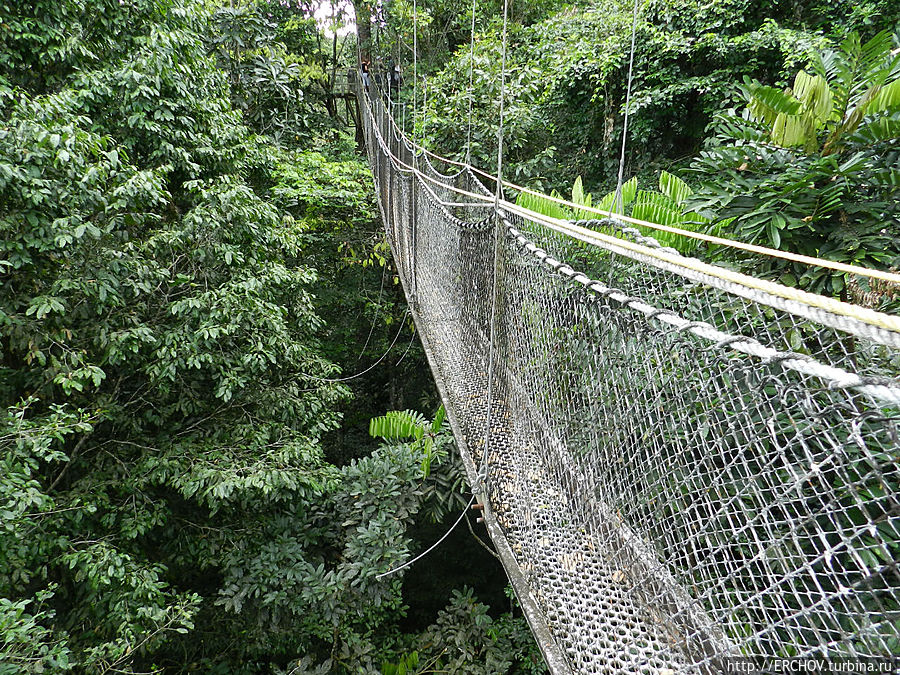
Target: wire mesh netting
[(684, 468)]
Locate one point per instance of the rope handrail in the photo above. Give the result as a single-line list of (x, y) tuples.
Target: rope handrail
[(887, 390), (886, 328), (882, 275)]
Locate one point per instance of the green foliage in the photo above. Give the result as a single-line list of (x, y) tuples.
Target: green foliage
[(813, 169), (266, 80), (166, 500), (553, 208), (44, 42), (847, 87), (28, 646), (465, 639), (164, 479), (566, 69), (409, 424)]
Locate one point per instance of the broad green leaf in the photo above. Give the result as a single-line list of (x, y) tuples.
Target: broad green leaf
[(673, 187), (887, 99), (766, 103)]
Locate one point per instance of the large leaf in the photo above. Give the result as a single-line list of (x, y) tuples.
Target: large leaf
[(815, 95), (673, 187), (766, 103), (888, 98), (629, 192), (578, 191), (791, 130), (398, 425)]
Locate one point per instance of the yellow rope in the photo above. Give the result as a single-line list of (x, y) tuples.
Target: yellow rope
[(862, 314)]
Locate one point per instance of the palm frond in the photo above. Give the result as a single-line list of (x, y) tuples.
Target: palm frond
[(629, 192), (673, 187), (399, 425)]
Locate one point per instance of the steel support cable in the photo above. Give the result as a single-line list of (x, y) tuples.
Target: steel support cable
[(412, 337), (361, 373), (617, 199), (877, 326)]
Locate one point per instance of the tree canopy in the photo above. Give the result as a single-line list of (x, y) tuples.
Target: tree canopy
[(193, 274)]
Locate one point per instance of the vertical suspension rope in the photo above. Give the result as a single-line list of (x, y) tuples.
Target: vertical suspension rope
[(414, 153), (471, 91), (499, 191), (424, 108), (492, 332), (618, 202), (415, 67)]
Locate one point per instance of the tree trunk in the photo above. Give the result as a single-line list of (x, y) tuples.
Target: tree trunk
[(363, 29)]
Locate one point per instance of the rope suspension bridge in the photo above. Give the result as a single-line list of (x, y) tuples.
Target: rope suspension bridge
[(679, 464)]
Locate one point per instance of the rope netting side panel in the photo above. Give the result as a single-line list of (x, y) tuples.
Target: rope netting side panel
[(682, 471)]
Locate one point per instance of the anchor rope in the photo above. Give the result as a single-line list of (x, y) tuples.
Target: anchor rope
[(363, 372)]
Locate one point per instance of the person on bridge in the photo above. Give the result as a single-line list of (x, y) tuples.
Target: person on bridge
[(395, 81), (367, 82)]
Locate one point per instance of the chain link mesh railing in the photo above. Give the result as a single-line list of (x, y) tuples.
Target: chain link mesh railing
[(682, 466)]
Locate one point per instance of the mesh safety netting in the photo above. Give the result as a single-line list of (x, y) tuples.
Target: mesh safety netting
[(682, 467)]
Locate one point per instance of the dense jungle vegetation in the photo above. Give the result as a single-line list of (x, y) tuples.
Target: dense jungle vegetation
[(192, 262)]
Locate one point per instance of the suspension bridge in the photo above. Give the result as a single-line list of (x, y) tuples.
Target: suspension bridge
[(680, 465)]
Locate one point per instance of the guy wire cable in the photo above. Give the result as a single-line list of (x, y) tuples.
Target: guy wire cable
[(618, 201)]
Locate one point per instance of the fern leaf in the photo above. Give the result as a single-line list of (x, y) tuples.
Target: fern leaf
[(398, 425), (542, 205), (673, 187), (655, 207), (789, 131), (438, 420)]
